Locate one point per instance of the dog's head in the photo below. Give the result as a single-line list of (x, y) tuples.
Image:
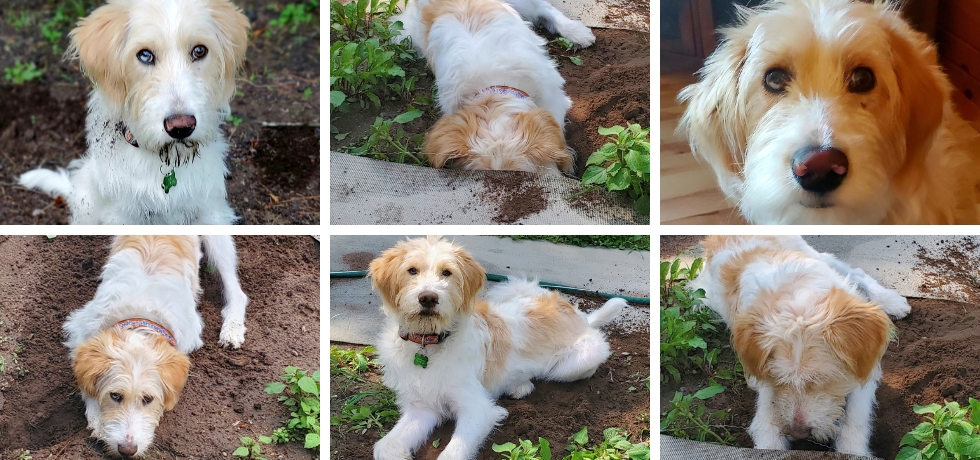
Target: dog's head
[(499, 132), (165, 68), (811, 357), (427, 283), (810, 111), (134, 379)]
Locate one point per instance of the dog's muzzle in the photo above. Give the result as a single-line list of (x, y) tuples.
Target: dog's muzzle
[(819, 170)]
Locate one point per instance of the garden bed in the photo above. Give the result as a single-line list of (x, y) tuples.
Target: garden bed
[(223, 400), (274, 157)]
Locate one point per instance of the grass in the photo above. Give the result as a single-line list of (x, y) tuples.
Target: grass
[(690, 345), (372, 406), (949, 432), (631, 242)]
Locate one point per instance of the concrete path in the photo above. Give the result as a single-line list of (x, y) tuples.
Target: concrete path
[(355, 310), (936, 267)]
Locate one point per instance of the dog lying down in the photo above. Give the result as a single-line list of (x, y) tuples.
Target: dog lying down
[(448, 354), (833, 112)]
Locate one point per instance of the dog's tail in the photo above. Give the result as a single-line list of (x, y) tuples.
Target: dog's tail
[(607, 312), (54, 183)]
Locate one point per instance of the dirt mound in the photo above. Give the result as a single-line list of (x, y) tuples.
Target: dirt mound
[(40, 409)]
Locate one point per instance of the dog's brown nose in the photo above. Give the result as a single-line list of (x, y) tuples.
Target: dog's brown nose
[(428, 299), (819, 170), (180, 126), (127, 449)]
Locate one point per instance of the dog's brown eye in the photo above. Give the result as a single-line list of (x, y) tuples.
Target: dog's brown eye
[(413, 271), (116, 397), (147, 399), (199, 52), (776, 80), (861, 80), (146, 57), (446, 273)]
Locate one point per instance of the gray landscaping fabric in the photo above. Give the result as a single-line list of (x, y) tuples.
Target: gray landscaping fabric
[(355, 310), (370, 192), (672, 448)]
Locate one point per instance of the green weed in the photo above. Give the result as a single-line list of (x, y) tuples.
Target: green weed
[(235, 121), (524, 450), (623, 164), (615, 445), (568, 46), (22, 72), (390, 142), (300, 393), (373, 409), (64, 18), (688, 417), (295, 14), (250, 448), (20, 19), (949, 432)]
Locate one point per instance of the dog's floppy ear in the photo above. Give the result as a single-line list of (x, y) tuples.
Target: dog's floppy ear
[(449, 138), (473, 275), (232, 28), (545, 139), (91, 362), (748, 342), (921, 83), (384, 273), (173, 367), (714, 119), (97, 42), (858, 333)]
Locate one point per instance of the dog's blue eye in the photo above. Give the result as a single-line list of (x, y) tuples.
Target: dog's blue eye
[(413, 271), (776, 80), (116, 397), (199, 52), (861, 80), (146, 57)]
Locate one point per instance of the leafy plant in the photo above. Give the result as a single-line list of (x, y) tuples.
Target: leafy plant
[(351, 361), (568, 46), (683, 325), (235, 121), (614, 446), (393, 145), (22, 72), (524, 450), (373, 409), (688, 417), (250, 448), (303, 397), (949, 432), (295, 14), (623, 164), (65, 15)]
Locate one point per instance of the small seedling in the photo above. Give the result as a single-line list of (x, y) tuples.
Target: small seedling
[(235, 121), (295, 14), (22, 72), (949, 432), (524, 450), (568, 46), (615, 445), (300, 393), (623, 164), (250, 448)]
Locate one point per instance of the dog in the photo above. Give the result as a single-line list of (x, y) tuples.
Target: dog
[(833, 112), (164, 74), (810, 332), (129, 344), (500, 94), (448, 355)]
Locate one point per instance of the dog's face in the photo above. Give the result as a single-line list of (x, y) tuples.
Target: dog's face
[(499, 132), (168, 66), (811, 361), (134, 382), (811, 110), (427, 283)]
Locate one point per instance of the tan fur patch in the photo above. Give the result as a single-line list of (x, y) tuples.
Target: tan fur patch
[(553, 324), (858, 333), (91, 361), (164, 254), (173, 367), (96, 42), (473, 14), (498, 348)]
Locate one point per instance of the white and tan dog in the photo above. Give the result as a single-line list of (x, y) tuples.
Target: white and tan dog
[(164, 74), (129, 344), (833, 112), (810, 332), (448, 355), (502, 99)]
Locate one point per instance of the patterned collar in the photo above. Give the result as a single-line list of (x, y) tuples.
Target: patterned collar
[(505, 90), (143, 323)]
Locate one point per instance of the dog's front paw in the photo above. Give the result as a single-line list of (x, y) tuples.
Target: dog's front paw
[(522, 390), (232, 334), (852, 442), (387, 449), (893, 304), (577, 33)]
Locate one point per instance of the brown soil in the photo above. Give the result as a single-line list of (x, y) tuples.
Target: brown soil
[(274, 171), (516, 196), (40, 409), (554, 411), (672, 246)]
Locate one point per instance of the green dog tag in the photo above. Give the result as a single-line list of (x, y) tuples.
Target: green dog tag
[(421, 360), (169, 181)]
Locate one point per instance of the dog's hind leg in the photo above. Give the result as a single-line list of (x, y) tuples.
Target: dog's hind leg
[(412, 429), (581, 359), (555, 21), (220, 250)]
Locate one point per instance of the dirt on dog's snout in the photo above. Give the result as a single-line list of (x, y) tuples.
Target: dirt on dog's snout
[(43, 280)]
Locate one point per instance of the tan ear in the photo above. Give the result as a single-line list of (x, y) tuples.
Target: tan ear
[(232, 28), (545, 139), (923, 87), (173, 367), (858, 333), (97, 42), (92, 362), (448, 139), (748, 344), (473, 276), (383, 272), (715, 120)]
